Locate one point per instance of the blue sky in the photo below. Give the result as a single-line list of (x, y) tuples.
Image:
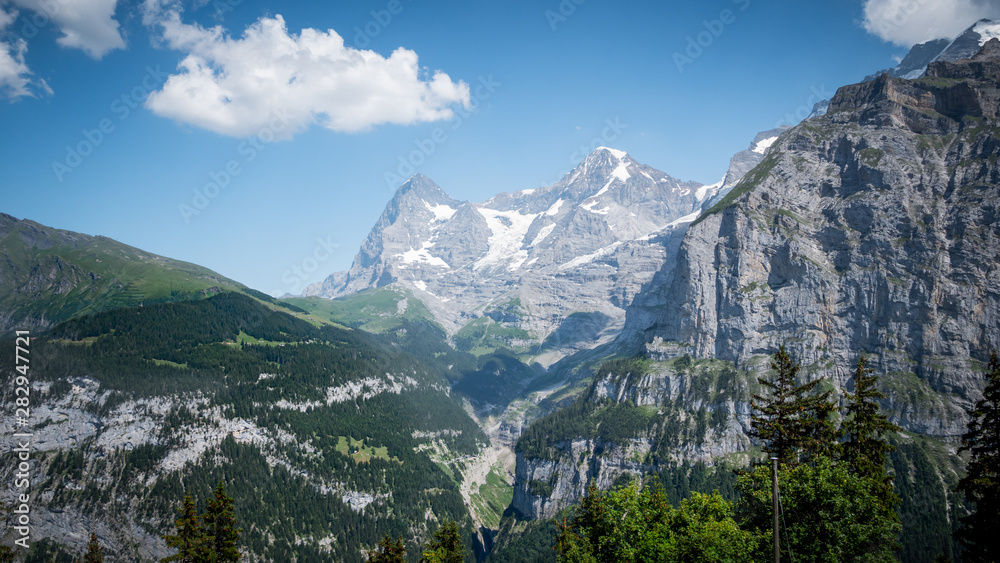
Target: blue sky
[(118, 114)]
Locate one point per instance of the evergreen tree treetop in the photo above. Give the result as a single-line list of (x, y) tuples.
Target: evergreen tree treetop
[(389, 551), (446, 546), (981, 484), (792, 420)]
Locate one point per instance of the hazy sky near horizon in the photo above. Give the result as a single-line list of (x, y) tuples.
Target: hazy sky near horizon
[(250, 136)]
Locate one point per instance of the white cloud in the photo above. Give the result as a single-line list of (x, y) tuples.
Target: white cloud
[(235, 86), (15, 77), (908, 22), (85, 24)]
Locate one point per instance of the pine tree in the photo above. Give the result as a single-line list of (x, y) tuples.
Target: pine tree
[(220, 526), (866, 427), (95, 554), (193, 546), (793, 422), (981, 484), (389, 551), (446, 546)]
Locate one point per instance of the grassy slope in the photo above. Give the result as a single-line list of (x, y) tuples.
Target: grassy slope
[(377, 310), (49, 275)]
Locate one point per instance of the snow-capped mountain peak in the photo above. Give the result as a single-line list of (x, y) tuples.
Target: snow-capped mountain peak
[(967, 44), (620, 155), (556, 249)]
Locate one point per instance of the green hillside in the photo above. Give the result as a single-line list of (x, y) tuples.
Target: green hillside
[(50, 275), (299, 420)]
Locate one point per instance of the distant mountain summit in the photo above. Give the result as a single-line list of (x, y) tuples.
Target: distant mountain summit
[(560, 262), (965, 46)]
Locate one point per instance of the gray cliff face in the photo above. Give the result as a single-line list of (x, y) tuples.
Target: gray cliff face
[(873, 229), (700, 412), (570, 256)]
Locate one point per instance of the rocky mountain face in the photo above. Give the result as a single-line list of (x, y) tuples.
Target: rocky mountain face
[(873, 229), (544, 272), (650, 417)]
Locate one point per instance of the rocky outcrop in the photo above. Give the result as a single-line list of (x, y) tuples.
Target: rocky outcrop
[(698, 411)]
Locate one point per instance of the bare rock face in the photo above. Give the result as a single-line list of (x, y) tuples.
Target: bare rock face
[(698, 411), (558, 264), (872, 229)]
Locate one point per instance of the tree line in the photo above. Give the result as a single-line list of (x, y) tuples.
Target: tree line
[(836, 496)]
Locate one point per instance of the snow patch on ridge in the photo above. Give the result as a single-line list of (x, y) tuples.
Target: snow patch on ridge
[(590, 207), (615, 152), (422, 256), (543, 233), (441, 212), (555, 208), (581, 260), (685, 219), (762, 146), (703, 191)]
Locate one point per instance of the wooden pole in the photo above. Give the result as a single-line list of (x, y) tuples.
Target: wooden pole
[(774, 496)]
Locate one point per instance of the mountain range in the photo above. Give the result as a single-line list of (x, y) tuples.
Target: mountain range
[(542, 272)]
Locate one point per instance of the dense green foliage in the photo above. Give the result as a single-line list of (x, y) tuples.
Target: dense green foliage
[(980, 531), (792, 420), (446, 546), (220, 525), (829, 513), (928, 510), (534, 541), (389, 551), (629, 525), (525, 541)]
